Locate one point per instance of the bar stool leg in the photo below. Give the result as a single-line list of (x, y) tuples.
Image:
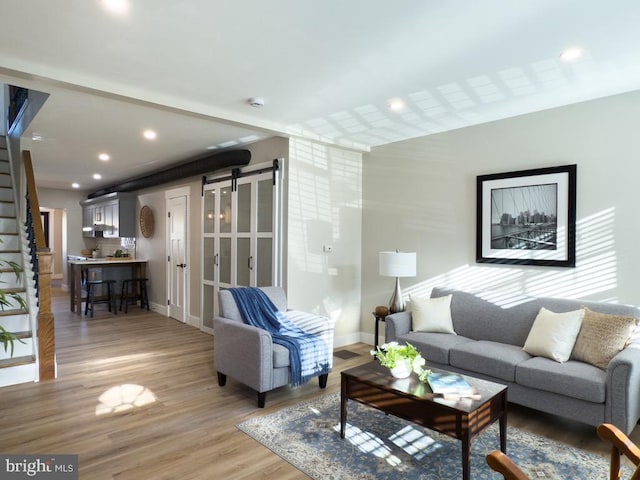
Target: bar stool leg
[(123, 292), (86, 303), (93, 297), (126, 300), (144, 295), (91, 293), (111, 298)]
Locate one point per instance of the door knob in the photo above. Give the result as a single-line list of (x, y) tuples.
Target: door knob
[(181, 265)]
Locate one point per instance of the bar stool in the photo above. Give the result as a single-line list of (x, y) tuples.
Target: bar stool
[(91, 295), (134, 289)]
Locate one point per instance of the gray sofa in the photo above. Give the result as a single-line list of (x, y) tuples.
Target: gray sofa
[(248, 354), (490, 335)]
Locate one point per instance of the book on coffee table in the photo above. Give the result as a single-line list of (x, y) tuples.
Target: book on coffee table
[(449, 383)]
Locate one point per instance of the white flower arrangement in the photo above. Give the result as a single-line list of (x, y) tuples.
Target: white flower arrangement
[(390, 354)]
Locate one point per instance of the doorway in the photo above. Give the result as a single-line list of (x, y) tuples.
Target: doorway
[(177, 204), (54, 225)]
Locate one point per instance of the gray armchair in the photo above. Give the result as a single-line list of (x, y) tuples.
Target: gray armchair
[(248, 354)]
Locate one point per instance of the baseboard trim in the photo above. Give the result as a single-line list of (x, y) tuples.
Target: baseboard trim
[(161, 309), (348, 339), (193, 321)]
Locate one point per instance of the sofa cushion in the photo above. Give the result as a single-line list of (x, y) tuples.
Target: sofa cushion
[(497, 360), (553, 335), (484, 316), (432, 314), (601, 337), (507, 317), (434, 347), (573, 379), (280, 356), (318, 325), (310, 323)]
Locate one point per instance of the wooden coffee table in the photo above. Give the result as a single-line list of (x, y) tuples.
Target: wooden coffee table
[(372, 384)]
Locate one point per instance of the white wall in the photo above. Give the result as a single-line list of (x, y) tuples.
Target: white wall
[(153, 249), (419, 195), (324, 209), (69, 202)]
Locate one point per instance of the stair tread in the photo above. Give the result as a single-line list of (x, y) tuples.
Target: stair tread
[(13, 311), (14, 289), (15, 361)]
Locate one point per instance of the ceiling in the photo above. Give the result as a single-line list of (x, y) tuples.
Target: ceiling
[(325, 70)]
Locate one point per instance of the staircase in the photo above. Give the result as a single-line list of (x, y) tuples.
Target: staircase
[(22, 366)]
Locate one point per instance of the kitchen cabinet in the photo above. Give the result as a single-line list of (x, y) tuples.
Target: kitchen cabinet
[(88, 213), (109, 216), (111, 219)]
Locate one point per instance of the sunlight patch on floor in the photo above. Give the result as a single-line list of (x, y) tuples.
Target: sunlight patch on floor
[(414, 442), (124, 397)]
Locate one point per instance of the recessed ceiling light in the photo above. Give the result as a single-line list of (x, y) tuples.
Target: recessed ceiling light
[(116, 6), (75, 185), (396, 104), (104, 157), (97, 176), (36, 137), (150, 134), (571, 54), (256, 102)]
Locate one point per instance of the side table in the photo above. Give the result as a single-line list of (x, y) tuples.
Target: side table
[(378, 318)]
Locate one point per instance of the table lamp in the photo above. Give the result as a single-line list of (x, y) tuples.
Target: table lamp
[(397, 264)]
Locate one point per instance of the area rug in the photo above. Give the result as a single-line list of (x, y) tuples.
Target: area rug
[(379, 446)]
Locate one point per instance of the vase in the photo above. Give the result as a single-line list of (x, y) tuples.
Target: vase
[(402, 369)]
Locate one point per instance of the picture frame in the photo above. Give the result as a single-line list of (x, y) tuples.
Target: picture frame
[(527, 217)]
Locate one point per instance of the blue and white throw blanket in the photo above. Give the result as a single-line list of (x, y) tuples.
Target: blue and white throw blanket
[(308, 353)]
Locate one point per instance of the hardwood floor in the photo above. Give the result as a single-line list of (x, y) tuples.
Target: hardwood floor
[(137, 398)]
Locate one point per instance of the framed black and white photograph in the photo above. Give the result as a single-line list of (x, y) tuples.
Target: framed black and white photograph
[(527, 217)]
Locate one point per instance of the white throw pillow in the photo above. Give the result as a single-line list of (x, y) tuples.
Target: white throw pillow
[(432, 314), (553, 335)]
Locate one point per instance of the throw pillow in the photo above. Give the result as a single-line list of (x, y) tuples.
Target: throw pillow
[(432, 314), (553, 335), (601, 337)]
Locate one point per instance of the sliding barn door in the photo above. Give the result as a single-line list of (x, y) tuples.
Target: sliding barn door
[(241, 222)]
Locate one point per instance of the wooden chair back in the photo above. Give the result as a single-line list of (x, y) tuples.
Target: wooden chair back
[(620, 445), (500, 463)]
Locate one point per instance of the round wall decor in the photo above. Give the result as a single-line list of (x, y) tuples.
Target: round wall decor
[(146, 221)]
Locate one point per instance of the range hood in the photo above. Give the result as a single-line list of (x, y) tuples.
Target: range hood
[(97, 230)]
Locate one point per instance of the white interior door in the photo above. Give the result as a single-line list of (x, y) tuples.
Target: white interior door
[(178, 256)]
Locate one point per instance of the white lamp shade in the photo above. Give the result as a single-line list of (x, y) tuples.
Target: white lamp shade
[(397, 264)]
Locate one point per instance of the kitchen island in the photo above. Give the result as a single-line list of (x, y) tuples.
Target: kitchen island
[(79, 269)]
